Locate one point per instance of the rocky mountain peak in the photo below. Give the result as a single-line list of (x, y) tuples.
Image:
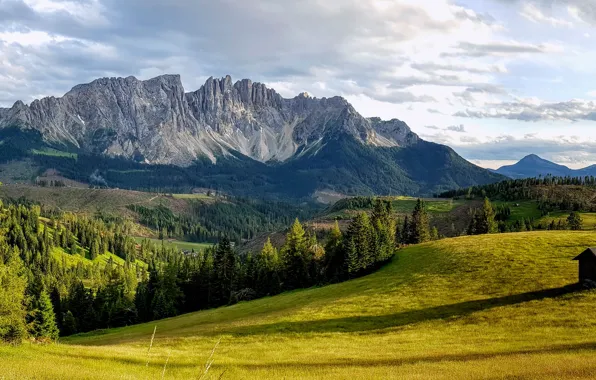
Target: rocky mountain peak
[(157, 121)]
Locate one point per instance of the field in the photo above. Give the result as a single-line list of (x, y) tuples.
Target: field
[(489, 306), (86, 200), (182, 245)]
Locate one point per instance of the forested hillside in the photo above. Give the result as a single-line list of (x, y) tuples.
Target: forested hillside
[(64, 273), (340, 163)]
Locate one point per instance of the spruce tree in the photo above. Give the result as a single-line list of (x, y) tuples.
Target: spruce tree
[(434, 233), (419, 226), (267, 267), (43, 325), (294, 254), (359, 244), (334, 255), (69, 324), (12, 298), (574, 221), (488, 218)]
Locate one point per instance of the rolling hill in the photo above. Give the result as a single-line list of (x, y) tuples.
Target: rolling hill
[(490, 306)]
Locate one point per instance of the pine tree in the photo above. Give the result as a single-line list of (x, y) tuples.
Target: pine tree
[(294, 254), (419, 226), (94, 249), (434, 233), (12, 298), (359, 244), (44, 324), (489, 226), (69, 324), (383, 224), (334, 255), (405, 237), (574, 221), (224, 265), (268, 267)]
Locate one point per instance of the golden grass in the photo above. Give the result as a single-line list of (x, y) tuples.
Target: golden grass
[(493, 306)]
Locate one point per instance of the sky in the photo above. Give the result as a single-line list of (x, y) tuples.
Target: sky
[(494, 79)]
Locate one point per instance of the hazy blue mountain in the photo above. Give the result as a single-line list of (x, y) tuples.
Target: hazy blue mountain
[(534, 166)]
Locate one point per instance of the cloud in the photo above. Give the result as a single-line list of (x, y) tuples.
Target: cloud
[(385, 50), (352, 45), (499, 49), (535, 14), (456, 128), (477, 69), (431, 127), (531, 110), (583, 10), (469, 140)]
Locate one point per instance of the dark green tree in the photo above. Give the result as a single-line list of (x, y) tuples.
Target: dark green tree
[(43, 325), (419, 225), (359, 244), (574, 221), (294, 256)]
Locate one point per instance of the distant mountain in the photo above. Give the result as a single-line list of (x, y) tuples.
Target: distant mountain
[(240, 137), (534, 166)]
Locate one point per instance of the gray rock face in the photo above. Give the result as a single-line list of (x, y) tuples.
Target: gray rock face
[(156, 121)]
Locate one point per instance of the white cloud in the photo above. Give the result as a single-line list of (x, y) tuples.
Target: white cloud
[(533, 13)]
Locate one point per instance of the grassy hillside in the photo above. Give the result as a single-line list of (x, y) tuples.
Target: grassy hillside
[(490, 306), (181, 245), (86, 200)]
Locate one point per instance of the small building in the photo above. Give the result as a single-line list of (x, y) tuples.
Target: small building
[(587, 264)]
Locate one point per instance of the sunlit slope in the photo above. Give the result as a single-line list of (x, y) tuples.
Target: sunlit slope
[(488, 306)]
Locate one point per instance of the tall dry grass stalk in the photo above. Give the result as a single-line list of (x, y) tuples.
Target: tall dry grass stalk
[(209, 362), (150, 345), (163, 373)]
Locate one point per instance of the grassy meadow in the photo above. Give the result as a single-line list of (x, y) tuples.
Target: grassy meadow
[(181, 245), (489, 306)]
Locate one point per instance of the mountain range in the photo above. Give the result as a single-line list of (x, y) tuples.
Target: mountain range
[(241, 137), (533, 166)]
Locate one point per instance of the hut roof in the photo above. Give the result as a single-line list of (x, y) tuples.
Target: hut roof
[(589, 253)]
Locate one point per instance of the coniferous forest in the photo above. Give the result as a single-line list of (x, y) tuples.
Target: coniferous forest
[(63, 274)]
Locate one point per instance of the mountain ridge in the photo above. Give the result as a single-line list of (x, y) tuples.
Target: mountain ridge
[(156, 119), (241, 137), (533, 165)]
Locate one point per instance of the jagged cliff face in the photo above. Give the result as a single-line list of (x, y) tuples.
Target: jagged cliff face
[(157, 122)]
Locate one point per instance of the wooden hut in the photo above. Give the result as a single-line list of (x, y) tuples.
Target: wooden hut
[(587, 264)]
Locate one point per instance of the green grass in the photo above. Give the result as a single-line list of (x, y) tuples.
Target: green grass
[(54, 153), (526, 210), (432, 206), (182, 245), (492, 306), (192, 196)]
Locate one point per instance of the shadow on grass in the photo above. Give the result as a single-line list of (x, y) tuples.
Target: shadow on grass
[(369, 323), (556, 349), (156, 361)]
